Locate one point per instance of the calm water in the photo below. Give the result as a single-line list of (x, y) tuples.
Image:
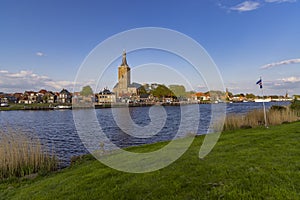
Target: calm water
[(56, 129)]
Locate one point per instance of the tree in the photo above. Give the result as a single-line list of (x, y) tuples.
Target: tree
[(250, 96), (178, 90), (162, 91), (142, 90), (86, 91)]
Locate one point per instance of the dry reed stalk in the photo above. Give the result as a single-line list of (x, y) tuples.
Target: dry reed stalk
[(21, 155), (255, 118)]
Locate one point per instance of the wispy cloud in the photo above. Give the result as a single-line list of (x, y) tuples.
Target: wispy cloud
[(292, 79), (280, 1), (27, 80), (284, 62), (40, 54), (290, 84), (252, 5), (246, 6)]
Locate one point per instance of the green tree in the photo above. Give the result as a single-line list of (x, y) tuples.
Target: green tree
[(178, 90), (86, 91), (142, 90), (250, 96), (162, 91)]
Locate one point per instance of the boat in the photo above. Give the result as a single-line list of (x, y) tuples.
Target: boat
[(4, 105), (62, 107), (262, 100)]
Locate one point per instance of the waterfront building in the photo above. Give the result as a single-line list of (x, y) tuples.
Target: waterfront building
[(105, 96), (49, 97), (64, 96), (28, 97)]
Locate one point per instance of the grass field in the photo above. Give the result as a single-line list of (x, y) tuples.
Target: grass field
[(245, 164)]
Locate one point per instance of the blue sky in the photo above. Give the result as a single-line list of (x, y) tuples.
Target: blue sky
[(43, 43)]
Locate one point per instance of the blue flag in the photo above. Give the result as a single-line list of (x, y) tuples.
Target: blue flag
[(259, 82)]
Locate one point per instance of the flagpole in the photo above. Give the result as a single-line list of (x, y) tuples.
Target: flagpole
[(264, 107), (262, 91), (265, 114)]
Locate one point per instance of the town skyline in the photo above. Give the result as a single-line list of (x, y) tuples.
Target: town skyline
[(44, 44)]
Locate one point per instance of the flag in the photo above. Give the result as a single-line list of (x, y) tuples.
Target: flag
[(259, 82)]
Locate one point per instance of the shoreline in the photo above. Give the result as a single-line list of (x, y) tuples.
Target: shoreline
[(229, 170), (49, 107)]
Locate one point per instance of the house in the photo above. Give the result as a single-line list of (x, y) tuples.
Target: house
[(296, 97), (16, 97), (11, 98), (49, 97), (146, 97), (202, 96), (105, 96), (64, 96), (28, 97), (3, 100)]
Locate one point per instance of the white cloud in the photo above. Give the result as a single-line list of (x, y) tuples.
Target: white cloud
[(40, 54), (27, 80), (290, 84), (252, 5), (246, 6), (283, 62), (20, 74), (292, 79), (58, 85), (279, 1)]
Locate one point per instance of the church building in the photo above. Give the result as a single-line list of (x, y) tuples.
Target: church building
[(124, 88)]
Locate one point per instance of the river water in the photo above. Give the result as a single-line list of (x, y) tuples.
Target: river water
[(56, 129)]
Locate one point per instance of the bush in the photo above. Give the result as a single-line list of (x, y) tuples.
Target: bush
[(295, 105)]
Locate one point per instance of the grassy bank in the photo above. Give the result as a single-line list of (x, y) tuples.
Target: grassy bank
[(245, 164), (33, 106)]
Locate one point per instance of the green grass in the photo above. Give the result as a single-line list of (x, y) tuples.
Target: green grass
[(245, 164), (22, 106)]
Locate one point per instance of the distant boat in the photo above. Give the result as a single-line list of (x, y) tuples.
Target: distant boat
[(4, 105), (262, 100), (62, 107)]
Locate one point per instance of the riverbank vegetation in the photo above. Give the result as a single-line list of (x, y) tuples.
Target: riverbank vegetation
[(256, 163), (33, 106), (296, 106), (21, 155), (274, 116)]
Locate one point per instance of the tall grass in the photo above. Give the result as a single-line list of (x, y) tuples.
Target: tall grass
[(21, 155), (275, 116)]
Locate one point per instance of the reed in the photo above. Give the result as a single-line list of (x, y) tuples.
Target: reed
[(255, 118), (21, 155)]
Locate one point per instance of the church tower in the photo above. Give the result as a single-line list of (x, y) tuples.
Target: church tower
[(123, 76)]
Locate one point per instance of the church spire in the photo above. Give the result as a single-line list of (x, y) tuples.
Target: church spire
[(124, 61)]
